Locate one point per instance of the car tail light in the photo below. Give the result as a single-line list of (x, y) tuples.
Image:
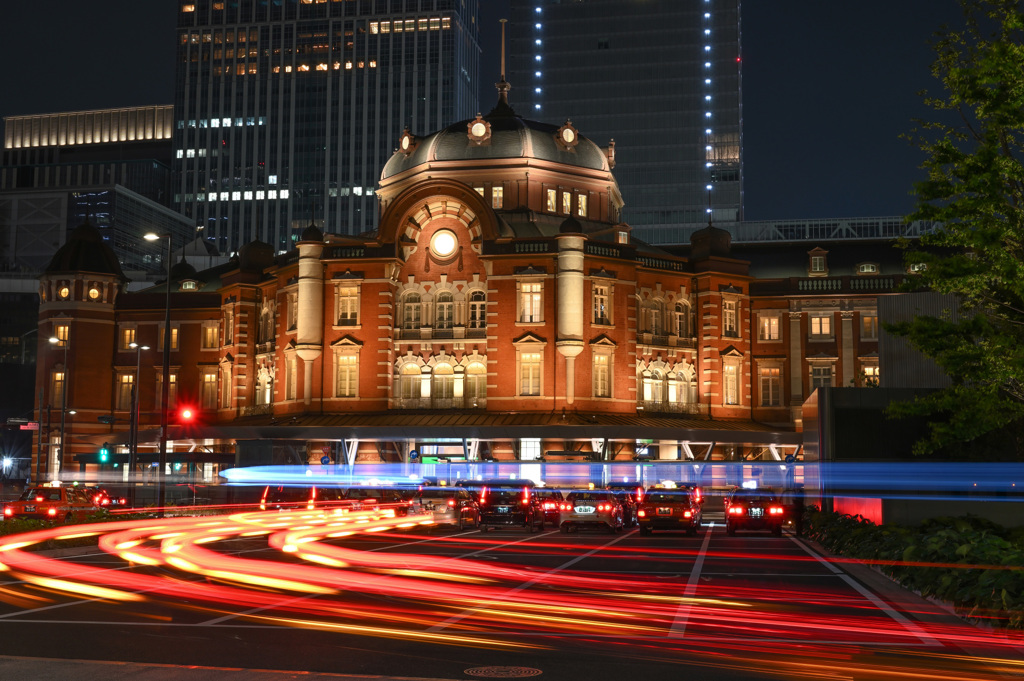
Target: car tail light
[(641, 513), (697, 495), (775, 510), (736, 510), (38, 499), (566, 507), (687, 514), (526, 494), (51, 511), (8, 511), (483, 495), (525, 500), (639, 494), (451, 502)]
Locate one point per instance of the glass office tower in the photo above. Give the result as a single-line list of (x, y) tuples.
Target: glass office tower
[(287, 111), (660, 77)]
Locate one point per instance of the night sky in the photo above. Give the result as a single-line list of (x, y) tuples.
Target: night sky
[(828, 87)]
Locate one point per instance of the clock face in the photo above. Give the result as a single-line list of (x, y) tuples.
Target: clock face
[(405, 143), (444, 242), (64, 292), (568, 135), (478, 129), (94, 293)]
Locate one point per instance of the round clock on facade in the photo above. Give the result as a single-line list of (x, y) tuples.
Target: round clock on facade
[(94, 293), (567, 135), (64, 292)]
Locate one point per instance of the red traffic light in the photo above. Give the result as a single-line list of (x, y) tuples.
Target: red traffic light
[(186, 415)]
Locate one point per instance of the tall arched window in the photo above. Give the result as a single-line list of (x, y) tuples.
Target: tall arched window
[(657, 386), (410, 382), (442, 386), (476, 384), (478, 310), (444, 309), (412, 310), (656, 317), (682, 320)]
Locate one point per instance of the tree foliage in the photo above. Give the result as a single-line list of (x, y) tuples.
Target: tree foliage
[(975, 190)]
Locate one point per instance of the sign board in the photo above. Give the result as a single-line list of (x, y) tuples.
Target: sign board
[(31, 425), (326, 449), (325, 460)]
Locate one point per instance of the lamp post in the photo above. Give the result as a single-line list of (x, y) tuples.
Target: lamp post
[(63, 399), (165, 387), (133, 447)]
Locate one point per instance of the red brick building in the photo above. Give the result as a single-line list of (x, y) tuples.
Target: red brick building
[(501, 309)]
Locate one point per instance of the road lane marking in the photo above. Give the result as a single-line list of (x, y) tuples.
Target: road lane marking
[(526, 585), (678, 628), (899, 617)]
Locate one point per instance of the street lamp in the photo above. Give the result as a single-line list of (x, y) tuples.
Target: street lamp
[(165, 386), (133, 447), (63, 399)]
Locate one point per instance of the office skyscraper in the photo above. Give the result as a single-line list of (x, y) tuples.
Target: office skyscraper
[(660, 77), (287, 112)]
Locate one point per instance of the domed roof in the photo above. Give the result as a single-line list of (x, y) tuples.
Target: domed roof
[(710, 241), (85, 251), (509, 136), (311, 233), (183, 270), (255, 256)]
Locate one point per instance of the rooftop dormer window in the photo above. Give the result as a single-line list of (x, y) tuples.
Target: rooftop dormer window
[(817, 265)]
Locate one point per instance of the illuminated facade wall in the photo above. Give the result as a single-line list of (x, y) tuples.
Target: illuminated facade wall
[(660, 77), (287, 111)]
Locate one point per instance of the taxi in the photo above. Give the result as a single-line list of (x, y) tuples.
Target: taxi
[(754, 509), (670, 508), (591, 508), (55, 503), (452, 506)]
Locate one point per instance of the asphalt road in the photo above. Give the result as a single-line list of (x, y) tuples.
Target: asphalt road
[(441, 604)]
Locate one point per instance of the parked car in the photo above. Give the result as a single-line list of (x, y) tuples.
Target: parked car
[(291, 497), (448, 505), (380, 498), (102, 497), (754, 509), (59, 504), (510, 503), (629, 495), (672, 508), (551, 502), (591, 508)]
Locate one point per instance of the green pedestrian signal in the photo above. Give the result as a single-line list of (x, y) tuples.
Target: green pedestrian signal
[(104, 453)]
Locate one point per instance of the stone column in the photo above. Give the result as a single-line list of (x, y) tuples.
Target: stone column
[(796, 363), (570, 306), (310, 318), (846, 349)]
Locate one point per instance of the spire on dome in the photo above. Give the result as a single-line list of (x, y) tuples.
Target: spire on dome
[(502, 108)]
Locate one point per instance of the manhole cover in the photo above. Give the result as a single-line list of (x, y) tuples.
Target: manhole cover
[(503, 672)]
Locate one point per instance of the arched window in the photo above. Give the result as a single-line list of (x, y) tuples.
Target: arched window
[(478, 310), (656, 317), (657, 386), (444, 309), (442, 385), (476, 384), (682, 320), (411, 311), (410, 382)]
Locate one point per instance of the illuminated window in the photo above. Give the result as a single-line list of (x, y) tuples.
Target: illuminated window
[(127, 338), (208, 394), (730, 384), (867, 268), (172, 389), (682, 313), (475, 390), (410, 382), (551, 198), (771, 387), (566, 202), (497, 196), (871, 376), (729, 319), (348, 306), (602, 305), (602, 376), (61, 333), (225, 390), (479, 190), (57, 388), (442, 385), (529, 373), (291, 371), (444, 309), (531, 302), (768, 328), (821, 325), (188, 8), (174, 338), (869, 325), (385, 27), (374, 28), (124, 392), (211, 341), (581, 205), (348, 375)]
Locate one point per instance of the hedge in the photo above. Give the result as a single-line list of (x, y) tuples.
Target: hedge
[(969, 562)]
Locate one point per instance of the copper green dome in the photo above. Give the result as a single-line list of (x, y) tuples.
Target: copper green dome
[(507, 136)]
